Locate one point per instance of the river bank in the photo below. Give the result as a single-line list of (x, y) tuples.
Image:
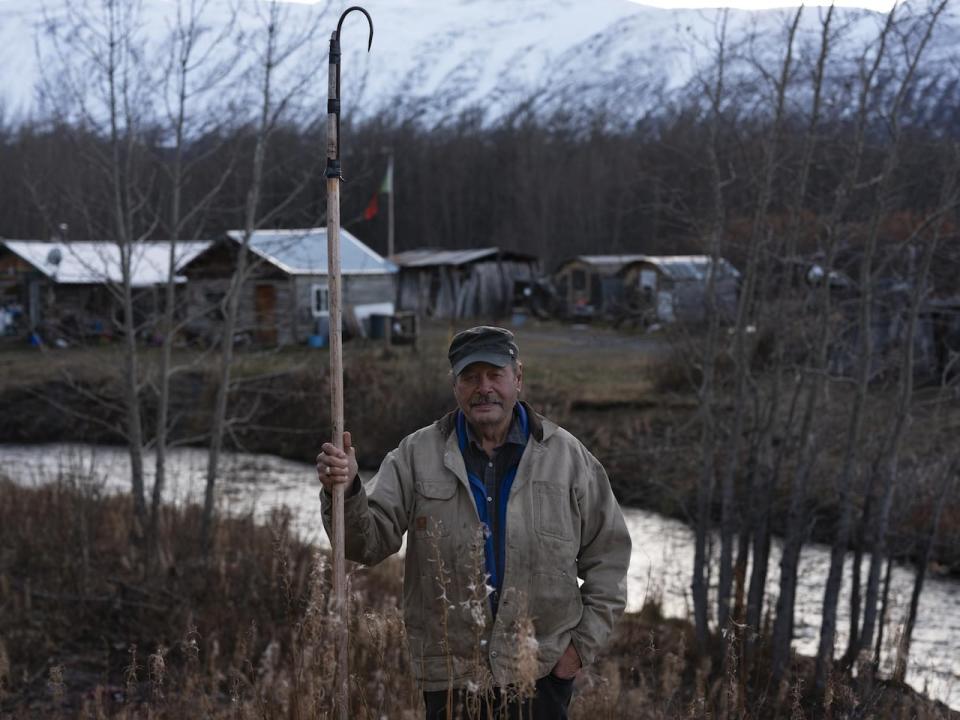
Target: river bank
[(244, 632), (628, 398), (258, 487)]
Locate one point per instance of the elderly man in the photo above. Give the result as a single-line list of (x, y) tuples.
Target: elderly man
[(546, 516)]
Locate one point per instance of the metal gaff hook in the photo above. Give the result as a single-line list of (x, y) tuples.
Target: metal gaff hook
[(333, 102)]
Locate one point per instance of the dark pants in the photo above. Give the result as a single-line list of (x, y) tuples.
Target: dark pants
[(550, 702)]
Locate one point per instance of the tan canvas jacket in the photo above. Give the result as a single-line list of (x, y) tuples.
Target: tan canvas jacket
[(562, 523)]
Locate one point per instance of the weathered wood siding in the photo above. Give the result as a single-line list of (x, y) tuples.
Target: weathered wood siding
[(205, 298), (481, 289), (413, 289), (368, 289)]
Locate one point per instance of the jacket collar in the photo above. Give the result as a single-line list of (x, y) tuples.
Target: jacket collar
[(540, 427), (540, 430)]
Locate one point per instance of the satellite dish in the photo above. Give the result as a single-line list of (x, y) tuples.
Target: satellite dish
[(54, 257)]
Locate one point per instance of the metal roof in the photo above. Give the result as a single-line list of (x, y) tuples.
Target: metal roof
[(945, 303), (304, 252), (87, 262), (688, 267), (428, 257), (604, 263)]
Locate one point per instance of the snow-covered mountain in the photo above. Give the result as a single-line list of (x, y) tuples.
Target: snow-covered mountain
[(433, 59)]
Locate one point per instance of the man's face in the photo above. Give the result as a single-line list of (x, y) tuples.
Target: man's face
[(486, 393)]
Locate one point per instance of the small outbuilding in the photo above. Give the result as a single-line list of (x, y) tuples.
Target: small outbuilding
[(284, 298), (673, 288), (480, 282), (71, 290), (589, 285), (933, 335)]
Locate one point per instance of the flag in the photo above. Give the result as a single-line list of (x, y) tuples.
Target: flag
[(386, 187), (373, 207)]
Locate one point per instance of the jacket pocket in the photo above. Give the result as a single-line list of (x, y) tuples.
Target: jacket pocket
[(437, 489), (435, 508), (556, 604), (552, 511)]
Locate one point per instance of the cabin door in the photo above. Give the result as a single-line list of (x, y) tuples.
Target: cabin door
[(265, 306)]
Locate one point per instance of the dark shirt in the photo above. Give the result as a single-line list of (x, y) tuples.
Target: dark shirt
[(491, 470)]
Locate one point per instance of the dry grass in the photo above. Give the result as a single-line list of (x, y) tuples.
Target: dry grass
[(246, 633)]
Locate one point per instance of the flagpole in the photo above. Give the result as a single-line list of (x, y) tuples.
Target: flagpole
[(388, 181), (390, 246)]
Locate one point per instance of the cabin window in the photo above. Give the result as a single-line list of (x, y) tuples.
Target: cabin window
[(648, 284), (648, 279), (321, 300)]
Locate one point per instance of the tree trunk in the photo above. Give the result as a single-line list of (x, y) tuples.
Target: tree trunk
[(789, 564), (841, 540), (163, 399), (699, 585), (797, 520), (758, 239), (219, 420), (890, 465), (132, 400), (769, 463), (884, 601), (121, 157), (922, 562)]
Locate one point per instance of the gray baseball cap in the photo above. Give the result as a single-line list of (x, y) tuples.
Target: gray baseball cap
[(484, 343)]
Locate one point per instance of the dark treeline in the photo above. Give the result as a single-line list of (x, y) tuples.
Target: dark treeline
[(547, 186)]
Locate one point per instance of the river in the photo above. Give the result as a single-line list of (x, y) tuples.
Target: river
[(661, 564)]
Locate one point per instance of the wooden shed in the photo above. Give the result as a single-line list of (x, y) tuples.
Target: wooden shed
[(673, 288), (589, 285), (69, 291), (462, 283), (284, 299)]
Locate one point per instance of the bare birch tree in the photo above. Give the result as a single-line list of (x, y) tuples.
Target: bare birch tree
[(759, 239), (715, 94), (769, 461), (194, 72), (276, 97), (97, 79), (889, 467), (810, 444)]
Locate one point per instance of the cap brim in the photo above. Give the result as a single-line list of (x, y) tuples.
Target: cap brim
[(498, 359)]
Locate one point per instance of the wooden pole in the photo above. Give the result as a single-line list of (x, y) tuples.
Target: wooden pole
[(340, 608)]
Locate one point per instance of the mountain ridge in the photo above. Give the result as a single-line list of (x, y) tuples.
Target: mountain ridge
[(431, 62)]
